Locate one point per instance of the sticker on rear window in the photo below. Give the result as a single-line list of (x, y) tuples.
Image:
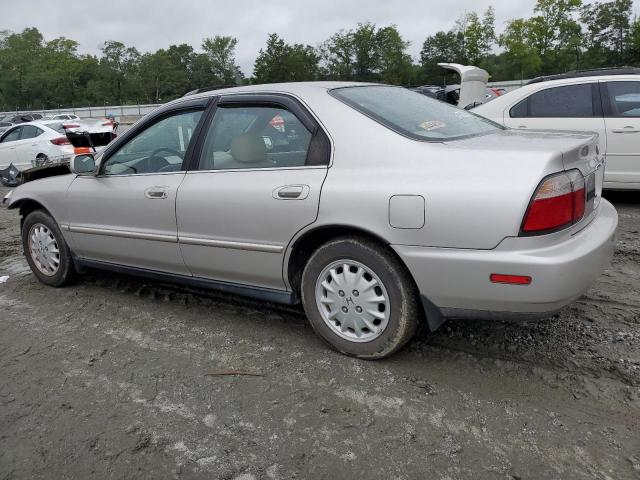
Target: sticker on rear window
[(432, 125)]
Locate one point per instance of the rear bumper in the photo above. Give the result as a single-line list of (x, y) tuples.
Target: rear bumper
[(457, 282)]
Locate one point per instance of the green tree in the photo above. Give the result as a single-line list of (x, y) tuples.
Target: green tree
[(281, 62), (367, 53), (608, 32), (119, 68), (337, 56), (394, 63), (521, 59), (221, 53)]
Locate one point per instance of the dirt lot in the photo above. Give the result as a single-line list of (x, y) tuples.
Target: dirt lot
[(108, 379)]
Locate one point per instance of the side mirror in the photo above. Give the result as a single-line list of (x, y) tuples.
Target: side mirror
[(83, 164)]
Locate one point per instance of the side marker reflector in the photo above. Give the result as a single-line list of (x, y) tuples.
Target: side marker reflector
[(510, 279)]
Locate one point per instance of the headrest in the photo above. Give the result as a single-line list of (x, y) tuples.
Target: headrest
[(248, 148)]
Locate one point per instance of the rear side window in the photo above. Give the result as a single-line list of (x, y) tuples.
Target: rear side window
[(29, 131), (412, 114), (574, 101), (254, 137), (624, 99)]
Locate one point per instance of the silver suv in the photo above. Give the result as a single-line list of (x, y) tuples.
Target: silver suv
[(376, 207)]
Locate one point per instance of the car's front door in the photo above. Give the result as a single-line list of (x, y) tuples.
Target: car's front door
[(257, 182), (126, 214), (621, 101), (27, 147), (8, 144)]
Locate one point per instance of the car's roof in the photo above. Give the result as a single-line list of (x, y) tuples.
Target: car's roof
[(294, 88), (582, 74)]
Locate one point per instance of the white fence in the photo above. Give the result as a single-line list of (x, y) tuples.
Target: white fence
[(508, 85), (117, 111)]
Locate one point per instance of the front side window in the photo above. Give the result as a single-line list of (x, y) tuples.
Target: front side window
[(12, 136), (624, 99), (414, 115), (571, 101), (254, 137), (159, 148)]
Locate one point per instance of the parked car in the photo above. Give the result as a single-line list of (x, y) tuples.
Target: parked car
[(29, 144), (433, 91), (64, 116), (375, 206), (4, 126), (20, 119), (602, 101)]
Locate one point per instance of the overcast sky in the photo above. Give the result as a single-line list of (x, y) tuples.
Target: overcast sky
[(152, 24)]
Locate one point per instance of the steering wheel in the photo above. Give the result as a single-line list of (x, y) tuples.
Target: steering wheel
[(158, 163), (167, 149)]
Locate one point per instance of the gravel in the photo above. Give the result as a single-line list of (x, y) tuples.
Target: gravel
[(119, 377)]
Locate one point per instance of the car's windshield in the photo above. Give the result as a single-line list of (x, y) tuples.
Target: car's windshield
[(413, 114)]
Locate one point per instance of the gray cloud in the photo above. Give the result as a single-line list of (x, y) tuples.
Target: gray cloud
[(152, 24)]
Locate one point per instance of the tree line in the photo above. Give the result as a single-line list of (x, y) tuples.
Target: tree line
[(560, 35)]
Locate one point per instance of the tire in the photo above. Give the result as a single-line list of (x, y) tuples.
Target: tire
[(382, 276), (41, 159), (40, 226)]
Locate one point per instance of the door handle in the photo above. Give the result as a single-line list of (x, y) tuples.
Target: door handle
[(156, 193), (627, 129), (291, 192)]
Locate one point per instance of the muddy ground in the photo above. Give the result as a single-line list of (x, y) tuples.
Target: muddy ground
[(109, 379)]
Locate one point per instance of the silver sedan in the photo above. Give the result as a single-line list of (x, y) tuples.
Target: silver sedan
[(374, 206)]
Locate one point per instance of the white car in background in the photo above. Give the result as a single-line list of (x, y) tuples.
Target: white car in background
[(602, 101), (4, 126), (29, 144), (64, 116)]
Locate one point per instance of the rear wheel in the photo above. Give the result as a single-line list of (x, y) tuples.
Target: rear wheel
[(41, 159), (46, 250), (360, 298)]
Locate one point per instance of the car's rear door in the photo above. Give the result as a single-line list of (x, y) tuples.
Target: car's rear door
[(256, 182), (621, 102), (564, 107), (126, 214)]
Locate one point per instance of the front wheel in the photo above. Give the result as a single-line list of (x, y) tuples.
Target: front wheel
[(360, 298), (46, 250)]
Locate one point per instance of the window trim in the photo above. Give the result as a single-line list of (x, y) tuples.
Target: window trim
[(596, 102), (260, 99), (202, 104)]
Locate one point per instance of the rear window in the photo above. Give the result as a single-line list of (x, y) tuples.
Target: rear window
[(412, 114), (58, 127)]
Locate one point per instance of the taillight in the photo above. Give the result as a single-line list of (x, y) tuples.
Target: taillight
[(60, 141), (558, 202), (70, 125)]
